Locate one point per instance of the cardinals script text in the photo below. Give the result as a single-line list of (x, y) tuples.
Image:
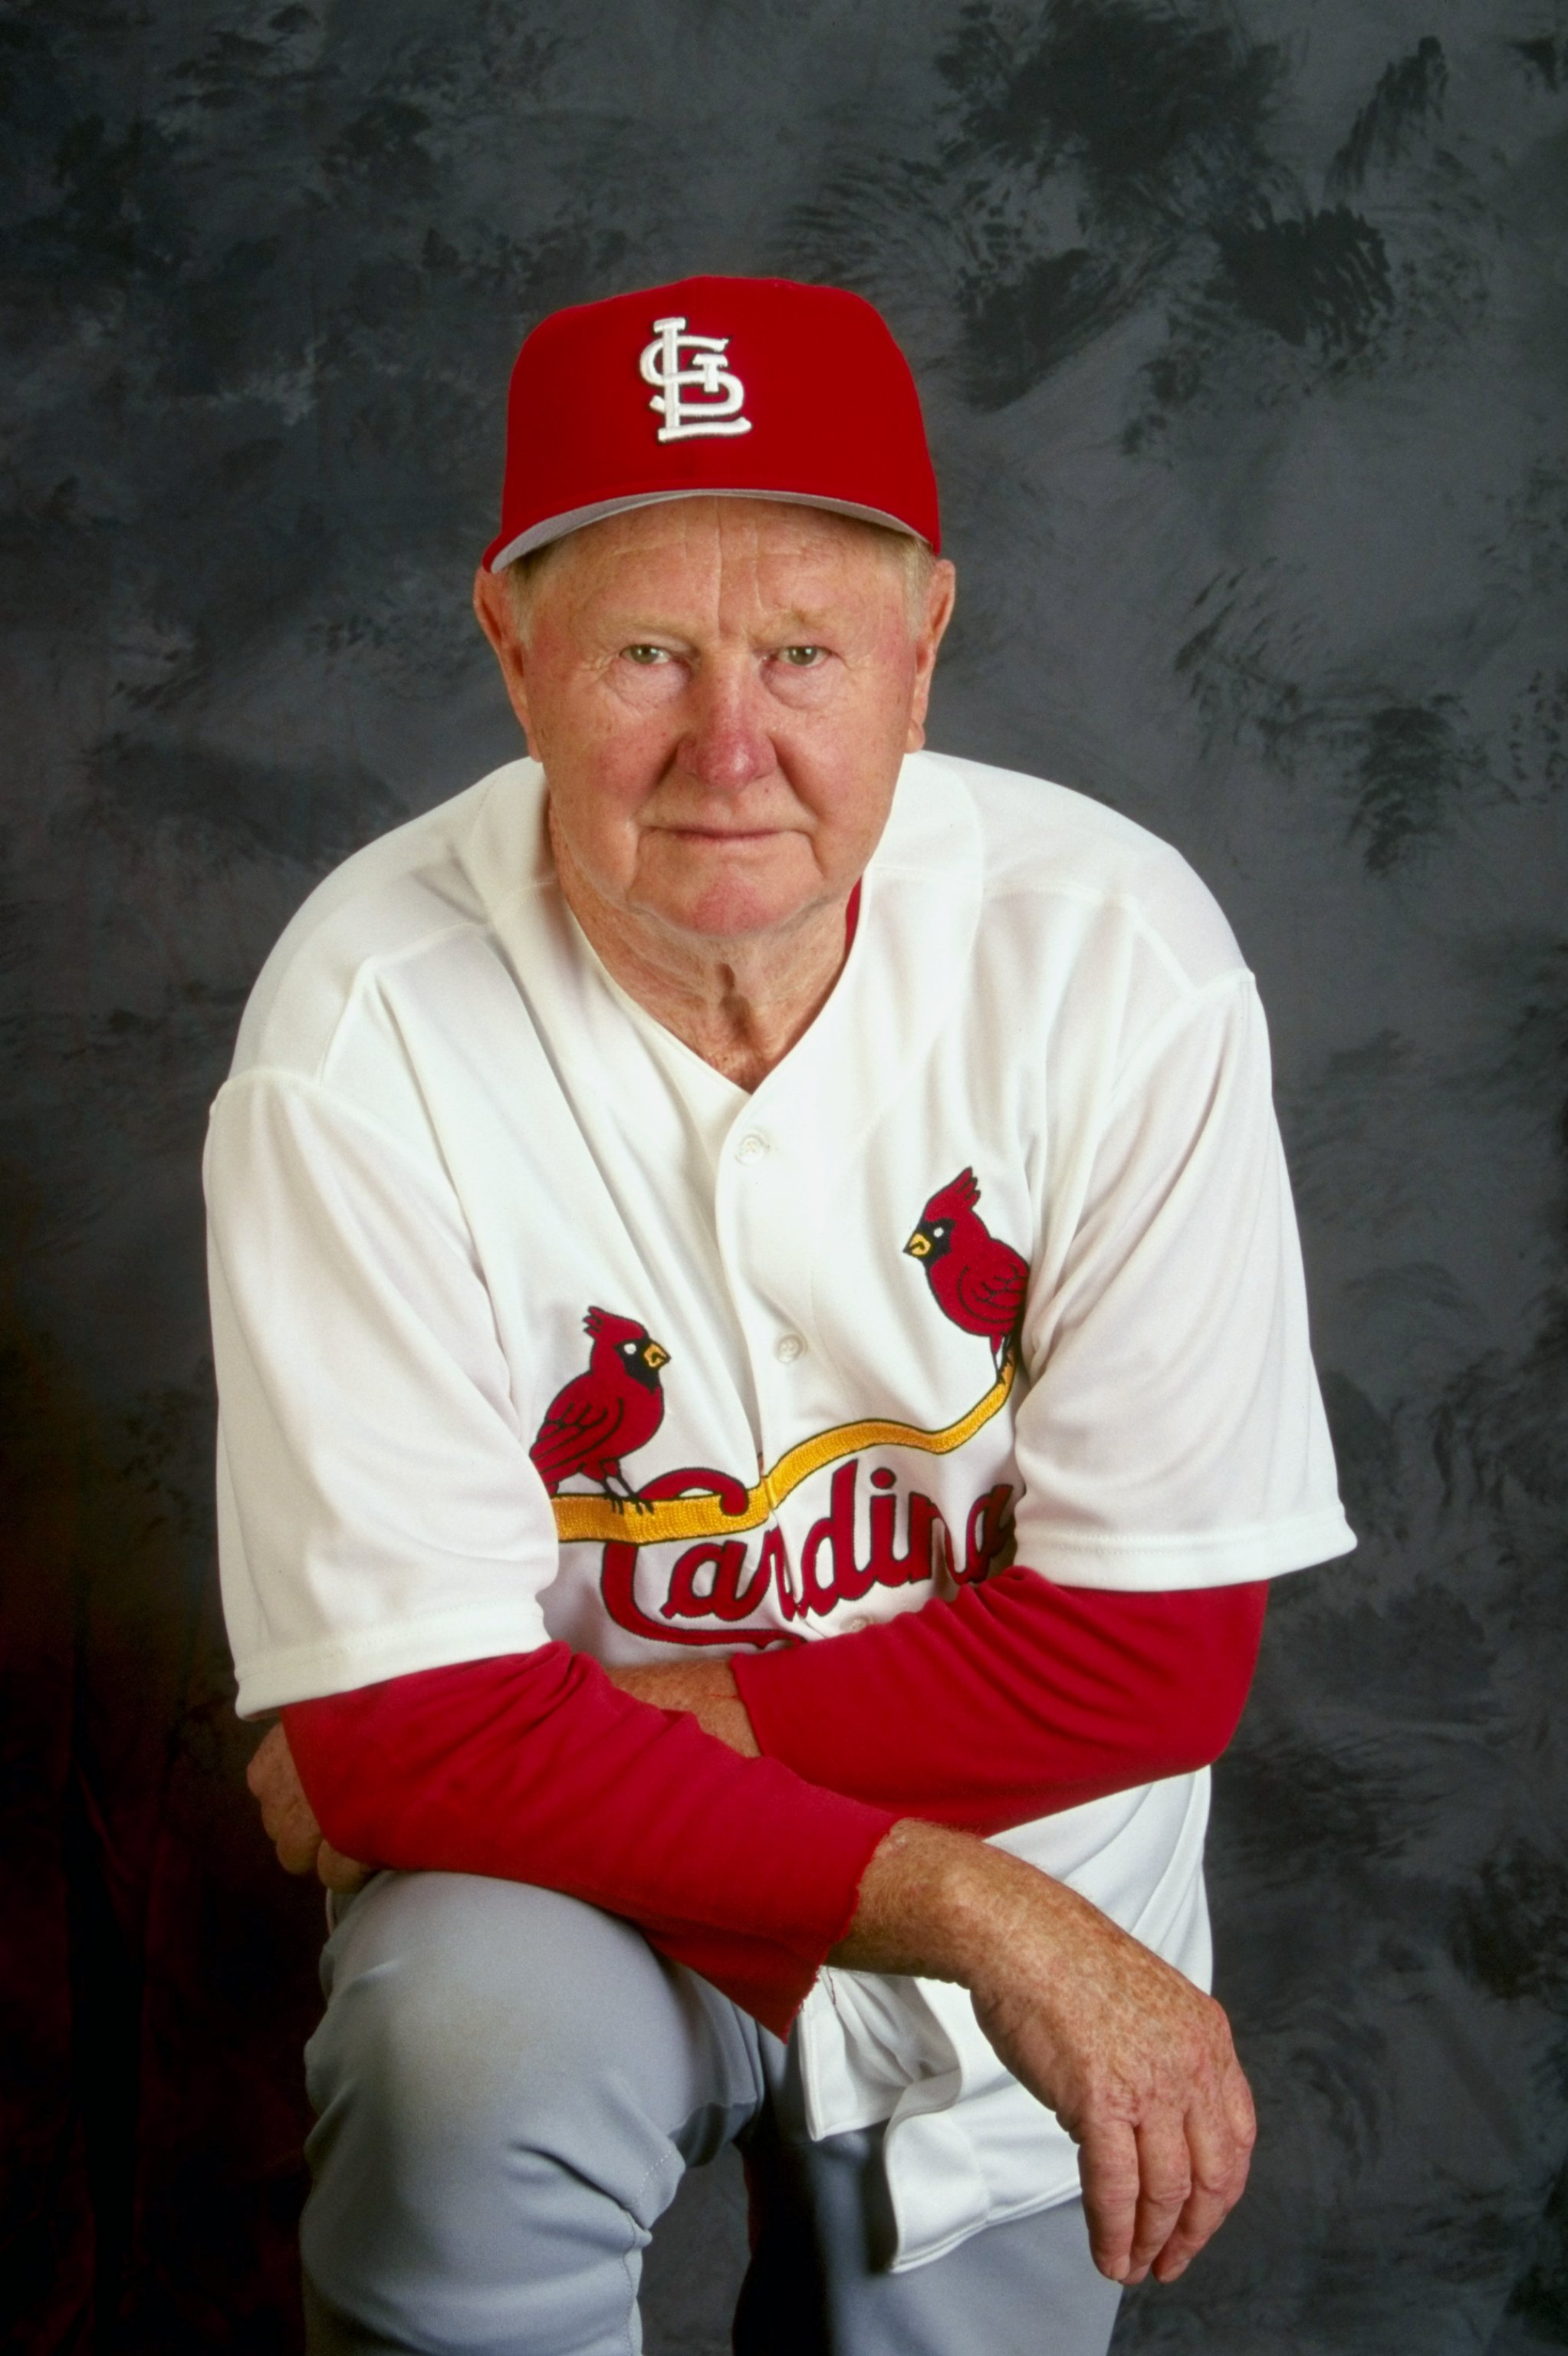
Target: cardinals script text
[(718, 1579)]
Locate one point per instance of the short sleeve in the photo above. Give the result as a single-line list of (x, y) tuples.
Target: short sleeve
[(1174, 1435), (378, 1509)]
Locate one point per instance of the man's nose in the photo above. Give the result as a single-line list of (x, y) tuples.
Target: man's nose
[(727, 744)]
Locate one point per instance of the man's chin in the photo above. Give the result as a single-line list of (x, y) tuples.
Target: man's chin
[(734, 911), (737, 890)]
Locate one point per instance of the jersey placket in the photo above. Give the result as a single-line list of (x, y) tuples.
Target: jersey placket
[(764, 1215)]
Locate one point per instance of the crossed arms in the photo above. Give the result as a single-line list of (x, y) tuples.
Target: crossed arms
[(1076, 1694)]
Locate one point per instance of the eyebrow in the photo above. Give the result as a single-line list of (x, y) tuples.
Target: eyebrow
[(794, 621)]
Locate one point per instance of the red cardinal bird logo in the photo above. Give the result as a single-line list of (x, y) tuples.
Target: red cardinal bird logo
[(610, 1411), (977, 1280)]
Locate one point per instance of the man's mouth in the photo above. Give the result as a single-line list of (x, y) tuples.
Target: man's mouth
[(726, 833)]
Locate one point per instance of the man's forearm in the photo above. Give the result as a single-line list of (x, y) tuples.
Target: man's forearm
[(533, 1768), (1135, 2061), (1009, 1702)]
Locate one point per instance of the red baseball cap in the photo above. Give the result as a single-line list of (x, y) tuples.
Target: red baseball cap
[(744, 387)]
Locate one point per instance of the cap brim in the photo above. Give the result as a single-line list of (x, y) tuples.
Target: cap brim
[(539, 535)]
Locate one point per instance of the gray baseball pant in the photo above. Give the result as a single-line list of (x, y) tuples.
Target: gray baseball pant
[(509, 2084)]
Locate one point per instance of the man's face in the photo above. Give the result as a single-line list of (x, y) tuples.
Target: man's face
[(721, 692)]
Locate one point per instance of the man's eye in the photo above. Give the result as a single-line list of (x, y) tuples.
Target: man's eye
[(802, 658), (646, 656)]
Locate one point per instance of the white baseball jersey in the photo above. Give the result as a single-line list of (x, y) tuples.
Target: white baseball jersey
[(450, 1138)]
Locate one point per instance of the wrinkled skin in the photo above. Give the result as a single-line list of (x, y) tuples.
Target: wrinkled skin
[(721, 692)]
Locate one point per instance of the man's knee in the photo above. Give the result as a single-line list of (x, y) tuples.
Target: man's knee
[(506, 2083), (469, 2021), (460, 2008)]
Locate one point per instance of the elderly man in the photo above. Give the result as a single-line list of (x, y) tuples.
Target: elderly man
[(764, 1369)]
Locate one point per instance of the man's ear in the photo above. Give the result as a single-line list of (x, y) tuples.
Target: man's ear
[(941, 590), (498, 620)]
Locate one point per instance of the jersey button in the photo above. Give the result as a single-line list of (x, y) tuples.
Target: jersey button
[(752, 1148), (788, 1348)]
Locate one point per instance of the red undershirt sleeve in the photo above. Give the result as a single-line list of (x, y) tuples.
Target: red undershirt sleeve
[(1014, 1701), (533, 1767)]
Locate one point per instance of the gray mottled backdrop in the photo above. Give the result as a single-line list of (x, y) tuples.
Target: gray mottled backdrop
[(1243, 334)]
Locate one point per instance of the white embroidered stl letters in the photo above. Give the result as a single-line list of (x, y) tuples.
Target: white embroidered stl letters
[(703, 398)]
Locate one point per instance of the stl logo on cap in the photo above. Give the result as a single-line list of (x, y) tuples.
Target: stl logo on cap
[(754, 411), (705, 397)]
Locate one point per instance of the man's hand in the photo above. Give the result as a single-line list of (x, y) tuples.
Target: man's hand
[(290, 1819), (705, 1688), (1135, 2061)]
